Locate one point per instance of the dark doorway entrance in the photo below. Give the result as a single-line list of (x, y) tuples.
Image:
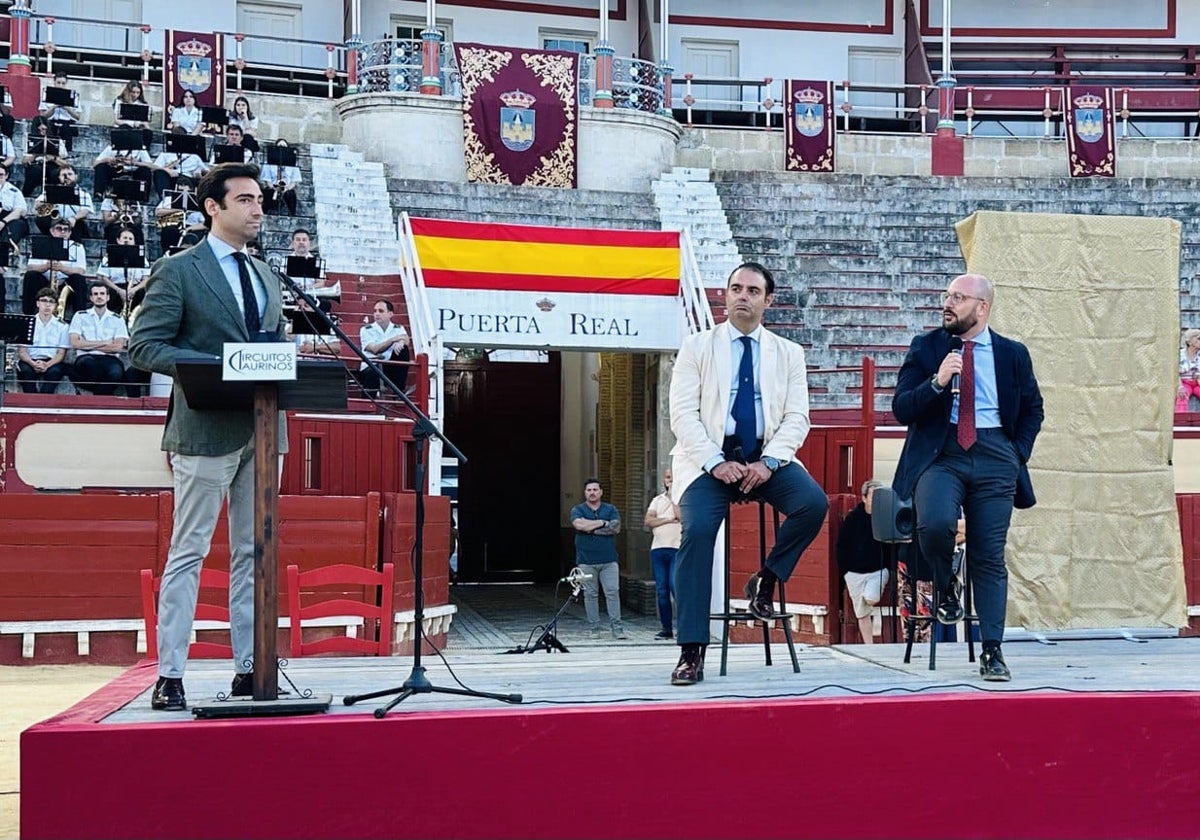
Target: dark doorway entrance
[(505, 417)]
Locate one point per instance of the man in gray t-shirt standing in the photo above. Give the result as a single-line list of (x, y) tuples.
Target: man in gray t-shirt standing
[(596, 525)]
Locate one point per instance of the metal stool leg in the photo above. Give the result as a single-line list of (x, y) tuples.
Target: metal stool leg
[(786, 617), (762, 563), (726, 615), (968, 618)]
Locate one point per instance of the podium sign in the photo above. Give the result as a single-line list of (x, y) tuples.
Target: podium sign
[(254, 362)]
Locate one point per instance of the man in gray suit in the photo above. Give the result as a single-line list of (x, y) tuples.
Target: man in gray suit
[(196, 301)]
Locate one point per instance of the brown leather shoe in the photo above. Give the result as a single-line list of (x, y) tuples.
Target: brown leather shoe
[(690, 669), (760, 601)]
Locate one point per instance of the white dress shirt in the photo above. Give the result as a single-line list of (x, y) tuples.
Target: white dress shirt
[(48, 338), (90, 327), (372, 333), (224, 254)]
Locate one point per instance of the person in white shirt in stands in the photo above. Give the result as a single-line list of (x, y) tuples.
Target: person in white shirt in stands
[(42, 365), (76, 214), (279, 184), (126, 286), (185, 116), (233, 137), (98, 336), (8, 152), (63, 117), (311, 344), (244, 119), (172, 231), (53, 273), (42, 169), (131, 94), (112, 163), (13, 225), (386, 344)]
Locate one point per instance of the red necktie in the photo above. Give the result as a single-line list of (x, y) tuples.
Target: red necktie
[(966, 398)]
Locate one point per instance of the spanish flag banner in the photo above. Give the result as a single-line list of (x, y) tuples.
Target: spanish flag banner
[(502, 285)]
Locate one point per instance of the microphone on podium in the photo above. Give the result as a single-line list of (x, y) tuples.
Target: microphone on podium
[(956, 346)]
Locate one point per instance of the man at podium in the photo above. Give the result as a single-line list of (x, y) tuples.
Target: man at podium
[(196, 301)]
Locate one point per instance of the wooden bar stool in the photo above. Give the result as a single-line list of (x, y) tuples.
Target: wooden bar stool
[(780, 613)]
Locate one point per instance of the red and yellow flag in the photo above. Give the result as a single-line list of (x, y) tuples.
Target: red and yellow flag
[(531, 258)]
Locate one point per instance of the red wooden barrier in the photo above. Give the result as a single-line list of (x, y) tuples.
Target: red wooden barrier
[(398, 540)]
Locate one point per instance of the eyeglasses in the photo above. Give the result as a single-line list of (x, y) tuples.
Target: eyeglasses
[(958, 297)]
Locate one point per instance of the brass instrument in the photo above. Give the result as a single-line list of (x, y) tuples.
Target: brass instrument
[(64, 293), (175, 218), (43, 210), (128, 214), (277, 189)]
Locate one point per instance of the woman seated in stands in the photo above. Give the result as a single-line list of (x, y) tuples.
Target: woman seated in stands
[(185, 116), (131, 94), (244, 118), (279, 184), (1189, 370)]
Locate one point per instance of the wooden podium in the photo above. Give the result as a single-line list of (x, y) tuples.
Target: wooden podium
[(319, 385)]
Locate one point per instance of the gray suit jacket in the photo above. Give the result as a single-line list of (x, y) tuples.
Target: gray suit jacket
[(189, 309)]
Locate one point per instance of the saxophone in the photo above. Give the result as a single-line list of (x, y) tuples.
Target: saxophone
[(64, 294)]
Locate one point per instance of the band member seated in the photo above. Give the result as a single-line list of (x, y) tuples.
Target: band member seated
[(185, 117), (131, 94), (279, 181), (233, 137), (99, 336), (63, 112), (8, 152), (170, 166), (42, 365), (126, 285), (118, 215), (386, 344), (45, 155), (326, 291), (77, 214), (176, 225), (58, 274), (311, 343), (244, 119), (13, 225), (113, 163)]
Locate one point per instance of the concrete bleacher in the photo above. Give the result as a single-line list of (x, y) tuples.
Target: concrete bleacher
[(862, 260)]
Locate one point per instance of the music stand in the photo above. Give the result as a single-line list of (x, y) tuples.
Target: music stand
[(307, 266), (129, 189), (228, 153), (319, 385), (62, 195), (64, 97), (6, 248), (134, 112), (17, 329), (217, 116), (49, 248), (281, 156), (130, 139), (184, 200), (185, 144), (304, 324), (125, 256), (40, 146)]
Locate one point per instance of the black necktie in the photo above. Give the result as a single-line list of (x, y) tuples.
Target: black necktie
[(249, 301), (744, 422)]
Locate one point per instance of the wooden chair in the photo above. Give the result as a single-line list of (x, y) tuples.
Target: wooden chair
[(375, 612), (209, 616)]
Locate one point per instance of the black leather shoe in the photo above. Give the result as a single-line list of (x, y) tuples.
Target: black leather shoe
[(992, 667), (168, 695), (760, 602), (664, 634), (690, 669), (243, 686), (950, 610)]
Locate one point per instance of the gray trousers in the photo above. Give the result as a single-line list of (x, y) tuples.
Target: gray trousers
[(608, 576), (201, 484)]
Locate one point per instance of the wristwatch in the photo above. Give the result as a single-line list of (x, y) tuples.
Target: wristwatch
[(771, 463)]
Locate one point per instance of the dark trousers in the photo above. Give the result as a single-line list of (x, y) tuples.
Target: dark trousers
[(370, 382), (14, 231), (287, 198), (33, 382), (99, 373), (791, 490), (662, 562), (982, 481)]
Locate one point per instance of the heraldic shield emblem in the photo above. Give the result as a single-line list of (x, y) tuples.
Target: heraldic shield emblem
[(809, 112), (1089, 118), (517, 120), (193, 66)]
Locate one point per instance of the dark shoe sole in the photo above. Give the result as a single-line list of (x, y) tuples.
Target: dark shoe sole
[(686, 681), (664, 635), (989, 677), (164, 706)]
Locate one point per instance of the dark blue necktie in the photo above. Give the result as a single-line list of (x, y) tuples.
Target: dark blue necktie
[(744, 422), (249, 300)]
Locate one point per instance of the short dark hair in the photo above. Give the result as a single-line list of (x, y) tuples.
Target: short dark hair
[(46, 292), (595, 481), (300, 230), (391, 307), (759, 269), (215, 183)]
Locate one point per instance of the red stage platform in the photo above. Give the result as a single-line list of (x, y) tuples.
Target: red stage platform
[(856, 745)]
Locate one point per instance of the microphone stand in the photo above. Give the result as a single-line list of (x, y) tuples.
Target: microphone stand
[(548, 641), (423, 429)]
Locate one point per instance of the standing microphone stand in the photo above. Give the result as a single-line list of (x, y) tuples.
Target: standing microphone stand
[(417, 682), (548, 641)]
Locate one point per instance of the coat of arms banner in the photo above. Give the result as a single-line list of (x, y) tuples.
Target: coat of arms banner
[(808, 125), (1091, 134), (194, 61), (520, 115)]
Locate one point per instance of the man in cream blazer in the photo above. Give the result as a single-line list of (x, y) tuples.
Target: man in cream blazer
[(728, 448)]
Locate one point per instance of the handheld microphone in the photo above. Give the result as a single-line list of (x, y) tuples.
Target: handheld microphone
[(956, 346), (576, 575)]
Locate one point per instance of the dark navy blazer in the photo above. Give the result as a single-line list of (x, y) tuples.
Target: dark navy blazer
[(927, 413)]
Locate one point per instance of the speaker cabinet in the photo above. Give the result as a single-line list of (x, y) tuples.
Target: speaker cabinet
[(892, 518)]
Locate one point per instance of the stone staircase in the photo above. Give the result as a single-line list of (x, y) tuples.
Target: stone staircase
[(687, 199), (861, 261)]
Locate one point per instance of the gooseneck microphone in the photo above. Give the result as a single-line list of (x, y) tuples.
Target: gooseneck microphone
[(956, 346)]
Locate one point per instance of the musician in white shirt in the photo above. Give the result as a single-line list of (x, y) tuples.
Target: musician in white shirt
[(126, 286), (279, 184), (386, 344), (13, 225), (53, 273), (99, 337), (42, 365), (75, 214)]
